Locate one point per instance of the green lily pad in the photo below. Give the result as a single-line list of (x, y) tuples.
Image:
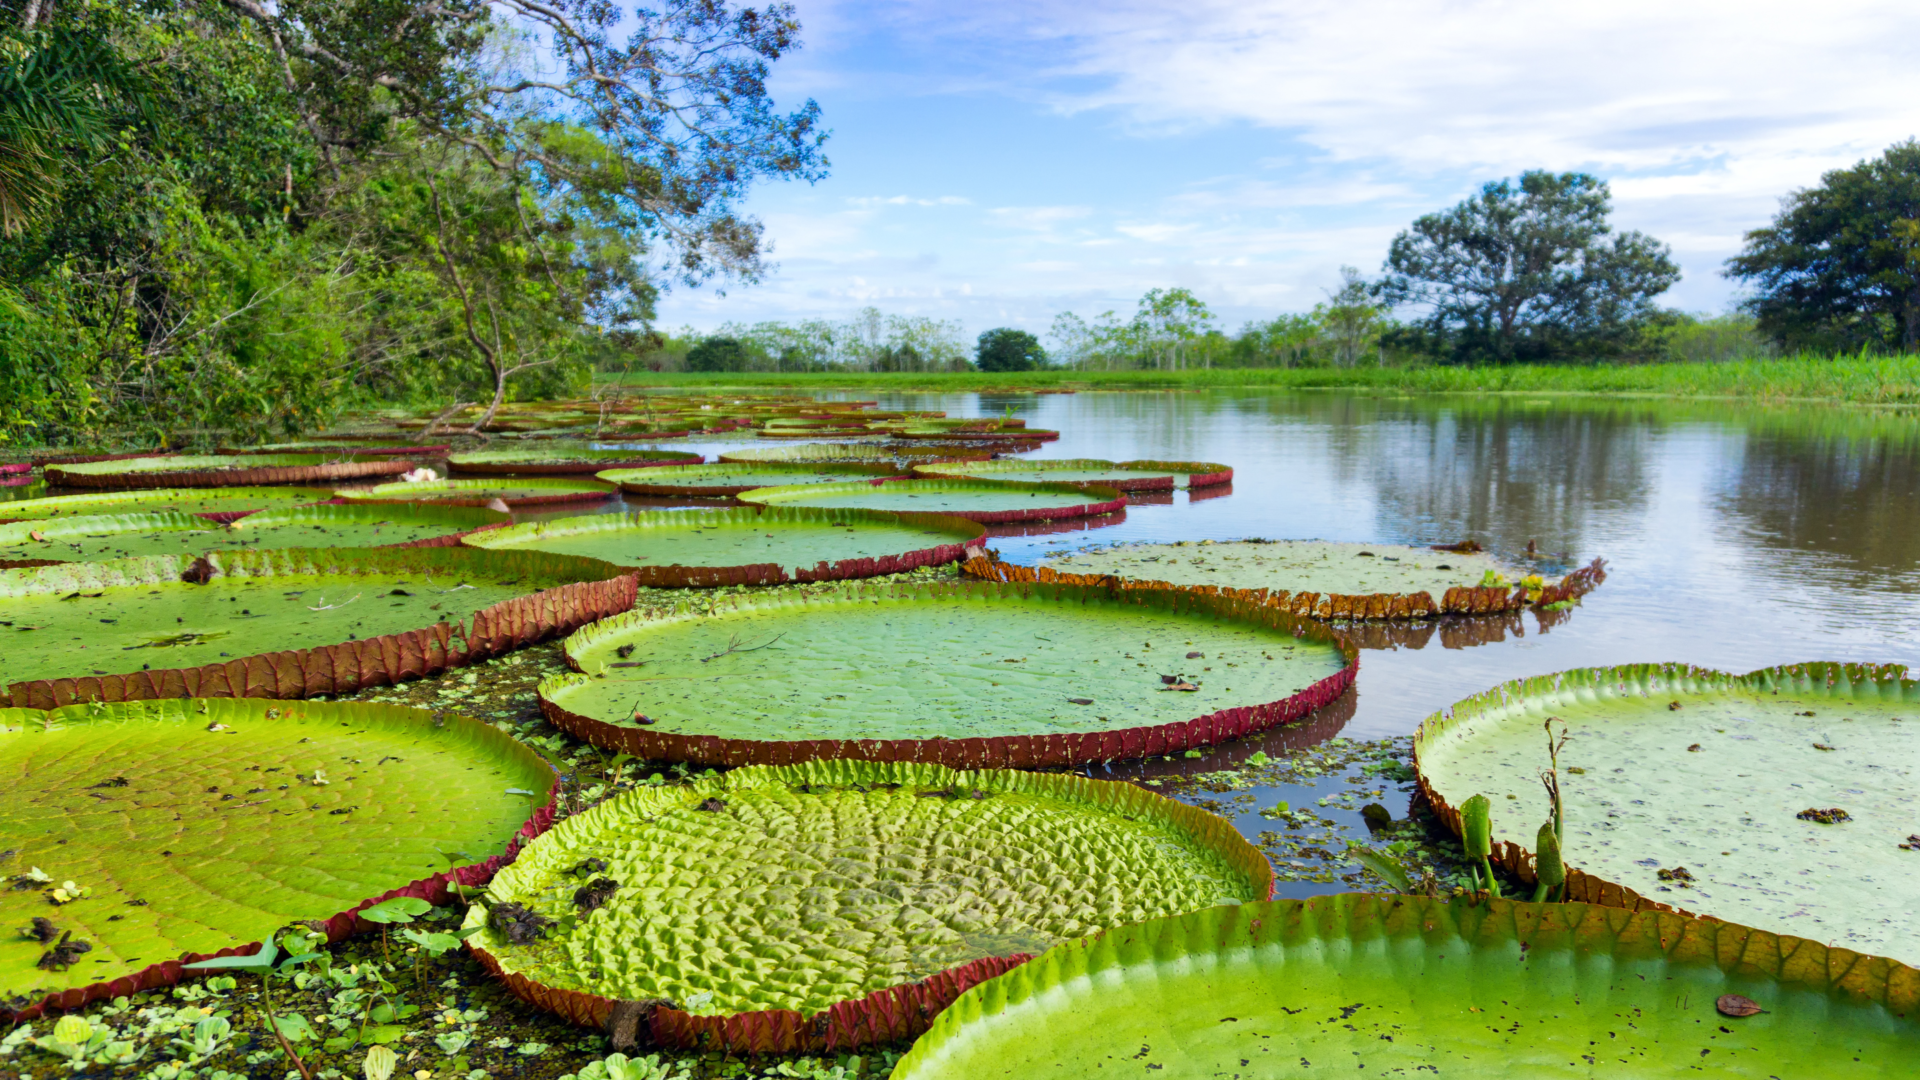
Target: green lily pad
[(115, 536), (516, 493), (224, 503), (732, 478), (221, 470), (155, 615), (1359, 985), (1122, 475), (958, 673), (772, 890), (201, 825), (708, 547), (850, 451), (551, 460), (985, 501), (1292, 566), (1715, 786)]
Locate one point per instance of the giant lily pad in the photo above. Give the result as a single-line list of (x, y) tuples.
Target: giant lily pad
[(962, 674), (1359, 985), (985, 501), (220, 470), (283, 623), (836, 903), (515, 493), (201, 826), (1312, 577), (1121, 475), (672, 548), (732, 478), (114, 536), (837, 452), (215, 504), (1691, 788), (553, 461)]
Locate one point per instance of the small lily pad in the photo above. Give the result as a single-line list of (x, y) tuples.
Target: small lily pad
[(514, 493), (674, 548), (1122, 475), (222, 470), (564, 460), (985, 501), (732, 478)]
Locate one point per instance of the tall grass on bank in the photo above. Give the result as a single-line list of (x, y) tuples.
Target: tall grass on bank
[(1866, 380)]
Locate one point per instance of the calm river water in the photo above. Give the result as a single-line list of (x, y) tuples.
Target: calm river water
[(1735, 537)]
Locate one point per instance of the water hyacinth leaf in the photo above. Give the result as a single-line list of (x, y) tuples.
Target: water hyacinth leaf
[(220, 504), (671, 548), (985, 501), (1123, 475), (1360, 985), (835, 903), (564, 460), (513, 492), (731, 478), (965, 674), (1715, 830), (282, 623), (198, 827), (115, 536), (222, 470)]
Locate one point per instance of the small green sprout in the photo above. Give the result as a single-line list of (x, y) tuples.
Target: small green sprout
[(1476, 835)]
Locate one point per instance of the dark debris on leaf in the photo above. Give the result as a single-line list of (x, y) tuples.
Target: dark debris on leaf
[(63, 955), (713, 806), (518, 923), (1735, 1005), (588, 866), (589, 897), (1833, 815), (42, 930)]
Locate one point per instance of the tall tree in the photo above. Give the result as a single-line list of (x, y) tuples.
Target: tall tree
[(1168, 322), (1351, 320), (1529, 271), (1839, 268), (1007, 349)]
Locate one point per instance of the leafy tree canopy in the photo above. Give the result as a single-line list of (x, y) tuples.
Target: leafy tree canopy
[(1529, 272), (1007, 349), (717, 354), (222, 216), (1839, 268)]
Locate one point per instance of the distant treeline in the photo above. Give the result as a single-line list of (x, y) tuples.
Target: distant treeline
[(1526, 271)]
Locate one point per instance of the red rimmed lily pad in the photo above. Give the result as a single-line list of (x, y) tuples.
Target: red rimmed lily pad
[(989, 502), (1363, 985), (559, 461), (514, 493), (214, 504), (220, 470), (117, 536), (758, 546), (1706, 792), (834, 904), (1120, 475), (853, 451), (191, 828), (731, 478), (283, 623), (967, 675), (1292, 574)]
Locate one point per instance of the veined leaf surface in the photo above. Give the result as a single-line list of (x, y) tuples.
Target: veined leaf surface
[(204, 824), (1361, 985)]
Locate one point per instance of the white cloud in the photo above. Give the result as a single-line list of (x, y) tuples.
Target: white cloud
[(1701, 113), (907, 200)]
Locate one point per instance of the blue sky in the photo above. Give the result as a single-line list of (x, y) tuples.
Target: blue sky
[(1000, 162)]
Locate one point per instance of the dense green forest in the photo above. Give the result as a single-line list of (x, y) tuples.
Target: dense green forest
[(220, 217)]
